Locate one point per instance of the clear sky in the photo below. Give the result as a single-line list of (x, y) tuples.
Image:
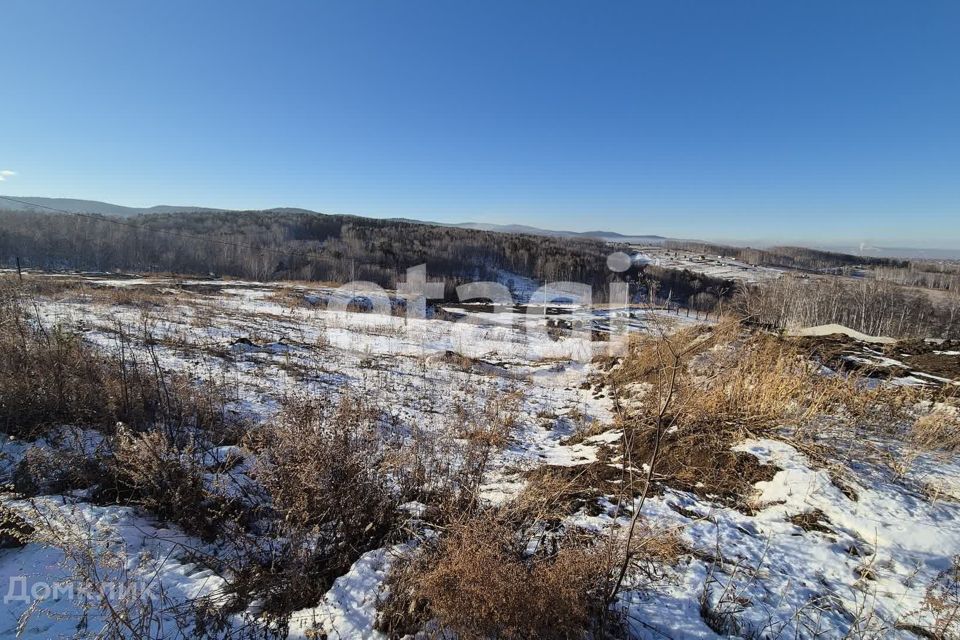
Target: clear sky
[(829, 121)]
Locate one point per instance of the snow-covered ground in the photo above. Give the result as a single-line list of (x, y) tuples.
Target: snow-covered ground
[(715, 266), (862, 571)]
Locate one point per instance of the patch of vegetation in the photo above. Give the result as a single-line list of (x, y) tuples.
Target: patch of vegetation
[(480, 580)]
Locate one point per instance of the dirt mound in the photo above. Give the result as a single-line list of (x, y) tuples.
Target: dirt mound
[(839, 329), (941, 360), (701, 462), (907, 357)]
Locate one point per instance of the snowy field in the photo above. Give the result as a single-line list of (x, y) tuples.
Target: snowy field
[(862, 565), (723, 267)]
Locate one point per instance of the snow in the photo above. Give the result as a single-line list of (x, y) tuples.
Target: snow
[(714, 266), (135, 556), (903, 541), (349, 609), (835, 329), (781, 579)]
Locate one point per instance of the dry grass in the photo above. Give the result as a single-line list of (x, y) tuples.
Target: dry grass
[(150, 423), (442, 465), (703, 463), (151, 471), (562, 490), (14, 530), (479, 582), (46, 471), (66, 286), (49, 376), (942, 602), (322, 463), (494, 426), (938, 616), (815, 520), (140, 297), (703, 390), (442, 468), (517, 571), (322, 467), (938, 429)]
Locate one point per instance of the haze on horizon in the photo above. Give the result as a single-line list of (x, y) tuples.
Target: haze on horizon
[(751, 122)]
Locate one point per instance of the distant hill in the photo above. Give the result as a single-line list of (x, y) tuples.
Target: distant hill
[(73, 205), (610, 236), (911, 253)]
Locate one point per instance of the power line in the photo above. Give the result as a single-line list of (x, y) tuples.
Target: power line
[(174, 234)]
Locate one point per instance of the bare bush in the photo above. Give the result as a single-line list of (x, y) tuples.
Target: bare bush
[(48, 470), (322, 466), (479, 581), (151, 471)]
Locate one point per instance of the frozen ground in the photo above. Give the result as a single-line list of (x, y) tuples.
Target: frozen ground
[(861, 569), (711, 265)]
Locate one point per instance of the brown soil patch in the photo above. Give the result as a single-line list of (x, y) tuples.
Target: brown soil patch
[(922, 356), (703, 464), (916, 355), (699, 463), (565, 490), (834, 352), (815, 520)]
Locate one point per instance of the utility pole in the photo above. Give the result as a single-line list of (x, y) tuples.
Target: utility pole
[(19, 271)]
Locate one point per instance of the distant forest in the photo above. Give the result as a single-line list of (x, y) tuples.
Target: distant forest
[(278, 245), (870, 305), (799, 258), (928, 274)]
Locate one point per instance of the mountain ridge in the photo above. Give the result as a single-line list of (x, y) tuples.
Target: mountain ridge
[(76, 205)]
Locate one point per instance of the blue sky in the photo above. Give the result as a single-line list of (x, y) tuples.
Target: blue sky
[(731, 120)]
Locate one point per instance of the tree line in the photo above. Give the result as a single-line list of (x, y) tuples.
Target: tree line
[(944, 276), (294, 245), (874, 307), (799, 258)]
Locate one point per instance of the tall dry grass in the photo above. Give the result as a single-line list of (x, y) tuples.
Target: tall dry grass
[(686, 398), (938, 428), (480, 581), (321, 464), (49, 376)]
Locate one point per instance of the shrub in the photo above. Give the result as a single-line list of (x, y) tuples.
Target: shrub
[(322, 466), (45, 471), (151, 471), (479, 582)]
